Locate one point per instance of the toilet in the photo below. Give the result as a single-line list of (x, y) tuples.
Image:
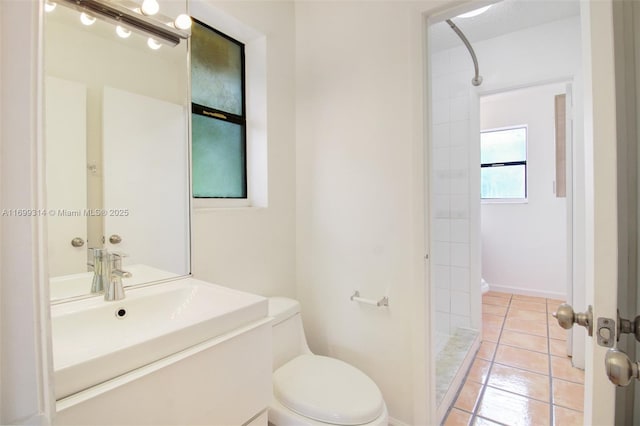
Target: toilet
[(312, 389)]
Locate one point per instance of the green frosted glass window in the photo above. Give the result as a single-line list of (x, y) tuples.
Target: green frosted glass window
[(218, 115), (218, 158), (216, 70)]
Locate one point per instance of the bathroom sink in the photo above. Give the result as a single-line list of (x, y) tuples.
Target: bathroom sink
[(74, 285), (94, 340)]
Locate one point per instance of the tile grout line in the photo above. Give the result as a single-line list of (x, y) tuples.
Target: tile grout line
[(491, 363), (551, 410)]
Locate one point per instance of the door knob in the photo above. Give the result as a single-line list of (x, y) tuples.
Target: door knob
[(567, 317), (115, 239), (620, 369), (626, 326), (77, 242)]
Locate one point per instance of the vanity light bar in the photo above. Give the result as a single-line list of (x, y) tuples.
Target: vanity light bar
[(127, 13)]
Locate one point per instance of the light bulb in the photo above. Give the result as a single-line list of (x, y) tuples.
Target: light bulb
[(150, 7), (49, 6), (153, 44), (182, 22), (476, 12), (122, 32), (87, 19)]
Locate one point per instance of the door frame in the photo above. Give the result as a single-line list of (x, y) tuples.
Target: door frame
[(600, 212), (601, 209)]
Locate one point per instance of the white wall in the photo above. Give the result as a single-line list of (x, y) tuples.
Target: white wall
[(544, 54), (360, 190), (548, 53), (253, 249), (524, 244)]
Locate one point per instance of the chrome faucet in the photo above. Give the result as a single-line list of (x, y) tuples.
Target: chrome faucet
[(99, 268), (114, 290)]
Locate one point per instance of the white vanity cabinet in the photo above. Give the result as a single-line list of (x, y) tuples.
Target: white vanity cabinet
[(224, 381)]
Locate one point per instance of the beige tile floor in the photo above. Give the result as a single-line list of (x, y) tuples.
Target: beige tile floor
[(521, 374)]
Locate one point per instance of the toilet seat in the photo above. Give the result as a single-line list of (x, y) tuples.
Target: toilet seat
[(327, 390)]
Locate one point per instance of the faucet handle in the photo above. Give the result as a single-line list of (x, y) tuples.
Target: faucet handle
[(116, 259)]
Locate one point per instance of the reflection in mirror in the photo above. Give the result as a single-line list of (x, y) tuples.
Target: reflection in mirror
[(116, 114)]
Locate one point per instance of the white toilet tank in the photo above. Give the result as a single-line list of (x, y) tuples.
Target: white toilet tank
[(289, 340)]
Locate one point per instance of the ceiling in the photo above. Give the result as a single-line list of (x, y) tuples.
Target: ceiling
[(502, 18)]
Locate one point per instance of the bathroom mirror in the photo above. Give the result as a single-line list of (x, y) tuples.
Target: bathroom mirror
[(116, 142)]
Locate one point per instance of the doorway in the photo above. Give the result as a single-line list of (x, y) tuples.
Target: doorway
[(525, 204), (536, 45)]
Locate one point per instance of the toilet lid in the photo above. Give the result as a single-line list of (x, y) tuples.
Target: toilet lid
[(327, 390)]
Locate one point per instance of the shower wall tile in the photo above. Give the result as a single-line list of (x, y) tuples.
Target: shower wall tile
[(441, 135), (459, 60), (441, 253), (459, 321), (442, 276), (443, 300), (441, 159), (459, 184), (459, 206), (440, 88), (459, 157), (441, 182), (459, 230), (459, 108), (442, 230), (459, 254), (460, 303), (443, 323), (450, 175), (440, 64), (459, 279), (441, 206), (459, 83), (459, 133), (440, 111)]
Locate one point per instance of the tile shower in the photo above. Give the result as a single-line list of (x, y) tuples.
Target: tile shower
[(455, 271)]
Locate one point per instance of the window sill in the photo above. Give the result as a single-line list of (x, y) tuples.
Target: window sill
[(504, 201), (219, 203)]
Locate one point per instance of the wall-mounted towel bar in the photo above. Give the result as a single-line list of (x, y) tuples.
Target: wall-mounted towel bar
[(382, 302)]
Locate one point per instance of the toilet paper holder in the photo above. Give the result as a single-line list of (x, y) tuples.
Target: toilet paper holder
[(382, 302)]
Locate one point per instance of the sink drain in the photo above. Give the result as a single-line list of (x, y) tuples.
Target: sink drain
[(121, 313)]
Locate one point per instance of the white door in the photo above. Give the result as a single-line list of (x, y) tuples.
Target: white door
[(66, 166), (146, 191), (601, 202)]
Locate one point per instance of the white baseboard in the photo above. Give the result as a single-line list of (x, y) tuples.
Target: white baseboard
[(528, 292)]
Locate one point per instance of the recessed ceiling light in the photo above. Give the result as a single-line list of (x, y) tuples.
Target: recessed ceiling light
[(475, 12)]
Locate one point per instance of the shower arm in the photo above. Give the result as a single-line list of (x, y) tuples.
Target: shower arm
[(477, 80)]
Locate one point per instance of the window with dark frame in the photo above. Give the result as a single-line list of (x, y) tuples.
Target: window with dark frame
[(503, 157), (218, 123)]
